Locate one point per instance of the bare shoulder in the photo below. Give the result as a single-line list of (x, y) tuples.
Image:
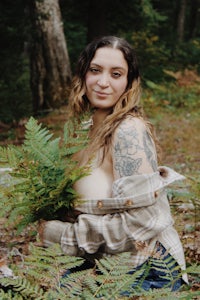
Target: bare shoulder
[(130, 127), (132, 122), (133, 148)]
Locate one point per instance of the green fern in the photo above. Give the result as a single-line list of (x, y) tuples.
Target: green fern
[(24, 288), (42, 176), (8, 295), (40, 276)]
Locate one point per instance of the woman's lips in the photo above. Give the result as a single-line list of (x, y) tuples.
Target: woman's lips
[(101, 94)]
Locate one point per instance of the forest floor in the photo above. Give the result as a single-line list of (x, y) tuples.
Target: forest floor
[(178, 133)]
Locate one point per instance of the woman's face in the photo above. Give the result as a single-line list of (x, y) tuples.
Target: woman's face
[(106, 78)]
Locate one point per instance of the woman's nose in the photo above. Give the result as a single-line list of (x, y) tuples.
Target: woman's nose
[(103, 80)]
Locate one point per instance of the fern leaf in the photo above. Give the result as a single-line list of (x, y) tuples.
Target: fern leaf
[(10, 156), (42, 175), (44, 267), (37, 143), (23, 287)]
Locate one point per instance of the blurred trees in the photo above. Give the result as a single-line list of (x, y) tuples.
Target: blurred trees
[(50, 72), (97, 21), (166, 35), (194, 19), (15, 95)]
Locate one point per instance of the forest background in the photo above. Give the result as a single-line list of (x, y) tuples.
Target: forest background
[(40, 44), (165, 35)]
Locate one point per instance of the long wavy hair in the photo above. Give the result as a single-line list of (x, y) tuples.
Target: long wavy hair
[(128, 103)]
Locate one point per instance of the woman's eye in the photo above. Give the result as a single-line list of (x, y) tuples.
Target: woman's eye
[(116, 74), (94, 70)]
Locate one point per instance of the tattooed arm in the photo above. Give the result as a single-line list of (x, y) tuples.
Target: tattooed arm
[(133, 150)]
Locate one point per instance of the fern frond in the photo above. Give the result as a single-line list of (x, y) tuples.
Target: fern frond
[(193, 269), (24, 287), (42, 175), (44, 268), (73, 132), (48, 264), (74, 283), (9, 295), (115, 278), (10, 158), (39, 146)]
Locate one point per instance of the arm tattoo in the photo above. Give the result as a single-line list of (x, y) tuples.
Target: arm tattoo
[(148, 149), (127, 145)]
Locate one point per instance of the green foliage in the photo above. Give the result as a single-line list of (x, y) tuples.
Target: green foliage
[(152, 53), (15, 95), (40, 182), (186, 54), (192, 193), (148, 24), (40, 276), (149, 13), (75, 20), (195, 190), (24, 288), (171, 95)]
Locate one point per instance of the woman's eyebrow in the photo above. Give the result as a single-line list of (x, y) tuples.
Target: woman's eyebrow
[(121, 68), (94, 64), (113, 68)]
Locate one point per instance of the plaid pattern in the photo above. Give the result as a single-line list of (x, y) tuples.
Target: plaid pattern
[(134, 219)]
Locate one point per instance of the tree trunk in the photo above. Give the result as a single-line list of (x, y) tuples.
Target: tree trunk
[(49, 60), (181, 20), (96, 19), (194, 15)]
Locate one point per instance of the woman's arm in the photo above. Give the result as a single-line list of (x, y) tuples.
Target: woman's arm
[(133, 149)]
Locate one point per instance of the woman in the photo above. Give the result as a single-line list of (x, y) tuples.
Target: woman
[(125, 207)]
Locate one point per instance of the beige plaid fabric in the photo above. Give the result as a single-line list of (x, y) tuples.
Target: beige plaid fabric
[(134, 219)]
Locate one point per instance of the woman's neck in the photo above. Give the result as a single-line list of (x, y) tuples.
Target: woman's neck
[(99, 116)]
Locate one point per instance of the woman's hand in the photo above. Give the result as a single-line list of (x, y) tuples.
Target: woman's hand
[(72, 216)]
